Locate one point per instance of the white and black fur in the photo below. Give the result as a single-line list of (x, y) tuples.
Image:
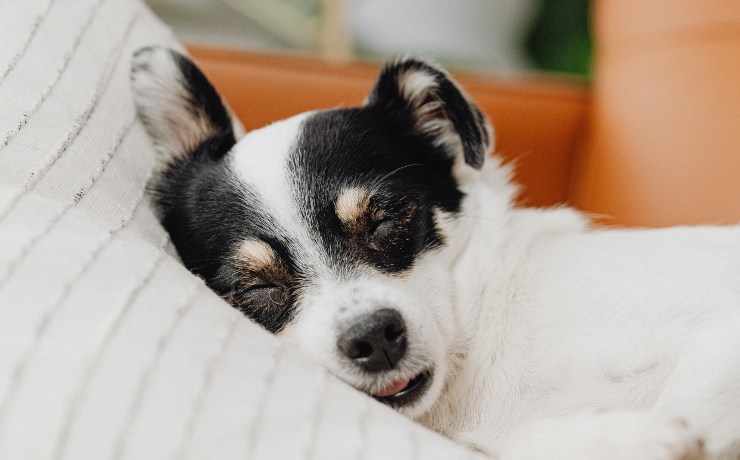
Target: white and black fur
[(377, 241)]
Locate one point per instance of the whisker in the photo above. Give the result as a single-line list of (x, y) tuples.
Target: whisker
[(200, 260), (378, 182), (204, 265)]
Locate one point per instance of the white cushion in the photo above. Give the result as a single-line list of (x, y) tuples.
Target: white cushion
[(109, 348)]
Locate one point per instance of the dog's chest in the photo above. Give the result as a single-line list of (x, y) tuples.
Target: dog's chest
[(491, 402), (588, 322)]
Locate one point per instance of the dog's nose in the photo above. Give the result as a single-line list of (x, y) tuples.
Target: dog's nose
[(376, 341)]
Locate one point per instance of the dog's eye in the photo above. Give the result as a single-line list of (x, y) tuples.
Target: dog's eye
[(268, 294), (381, 232), (389, 225)]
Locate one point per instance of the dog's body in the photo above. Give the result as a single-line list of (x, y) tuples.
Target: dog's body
[(566, 321), (370, 238)]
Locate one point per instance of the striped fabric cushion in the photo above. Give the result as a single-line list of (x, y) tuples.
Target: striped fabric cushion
[(109, 348)]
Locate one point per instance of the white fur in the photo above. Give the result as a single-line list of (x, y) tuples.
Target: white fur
[(332, 306), (615, 334), (259, 159)]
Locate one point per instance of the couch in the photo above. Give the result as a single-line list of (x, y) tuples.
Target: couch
[(111, 349)]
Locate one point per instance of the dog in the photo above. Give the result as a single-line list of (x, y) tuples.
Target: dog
[(383, 241)]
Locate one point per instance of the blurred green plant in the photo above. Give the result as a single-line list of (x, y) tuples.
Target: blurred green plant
[(559, 39)]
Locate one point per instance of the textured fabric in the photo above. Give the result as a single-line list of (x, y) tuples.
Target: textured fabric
[(109, 348)]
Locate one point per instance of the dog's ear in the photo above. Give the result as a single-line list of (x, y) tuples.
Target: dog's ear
[(437, 108), (180, 109)]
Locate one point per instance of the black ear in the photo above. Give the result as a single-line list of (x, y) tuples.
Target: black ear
[(179, 107), (437, 107)]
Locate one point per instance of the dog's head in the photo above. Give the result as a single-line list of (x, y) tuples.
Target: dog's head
[(334, 229)]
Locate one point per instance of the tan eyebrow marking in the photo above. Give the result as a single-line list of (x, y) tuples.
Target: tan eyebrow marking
[(255, 255), (258, 263), (352, 204)]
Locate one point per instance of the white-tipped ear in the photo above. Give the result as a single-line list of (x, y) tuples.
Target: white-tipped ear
[(178, 106), (439, 109)]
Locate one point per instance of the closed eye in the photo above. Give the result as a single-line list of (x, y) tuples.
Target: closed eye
[(381, 232), (266, 295), (391, 227)]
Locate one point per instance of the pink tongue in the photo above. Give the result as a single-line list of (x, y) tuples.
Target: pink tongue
[(393, 388)]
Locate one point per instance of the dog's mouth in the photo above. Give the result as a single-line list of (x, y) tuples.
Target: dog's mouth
[(405, 390)]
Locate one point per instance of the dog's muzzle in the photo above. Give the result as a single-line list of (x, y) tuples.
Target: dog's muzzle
[(376, 343)]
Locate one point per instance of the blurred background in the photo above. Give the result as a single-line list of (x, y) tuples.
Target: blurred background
[(508, 36)]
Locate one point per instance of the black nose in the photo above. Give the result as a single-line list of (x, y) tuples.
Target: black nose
[(376, 342)]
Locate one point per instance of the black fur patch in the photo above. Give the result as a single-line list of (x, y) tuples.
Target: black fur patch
[(371, 149)]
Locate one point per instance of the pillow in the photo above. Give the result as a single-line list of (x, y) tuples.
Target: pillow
[(110, 348)]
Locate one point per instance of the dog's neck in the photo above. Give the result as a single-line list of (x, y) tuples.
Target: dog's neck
[(493, 236), (483, 228), (473, 251)]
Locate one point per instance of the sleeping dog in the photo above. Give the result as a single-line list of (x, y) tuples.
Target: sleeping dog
[(382, 241)]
